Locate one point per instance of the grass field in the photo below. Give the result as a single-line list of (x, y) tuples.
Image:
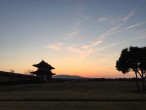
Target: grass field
[(75, 95)]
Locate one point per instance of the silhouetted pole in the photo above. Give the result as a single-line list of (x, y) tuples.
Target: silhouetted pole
[(143, 83), (137, 81)]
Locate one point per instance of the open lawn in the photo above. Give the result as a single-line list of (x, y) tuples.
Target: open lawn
[(82, 95)]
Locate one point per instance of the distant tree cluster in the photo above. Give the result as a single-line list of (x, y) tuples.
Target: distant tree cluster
[(133, 59), (12, 71)]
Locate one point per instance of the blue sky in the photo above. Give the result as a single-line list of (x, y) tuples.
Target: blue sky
[(82, 37)]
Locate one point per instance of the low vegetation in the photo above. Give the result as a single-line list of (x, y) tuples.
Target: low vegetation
[(73, 95)]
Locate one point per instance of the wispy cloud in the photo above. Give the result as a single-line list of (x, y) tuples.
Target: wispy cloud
[(86, 53), (138, 35), (72, 34), (102, 19), (75, 31), (82, 53), (80, 11), (73, 48), (114, 20), (141, 33), (109, 20), (109, 32), (126, 18), (135, 25), (92, 44), (118, 28), (55, 46), (85, 50), (143, 30), (92, 47)]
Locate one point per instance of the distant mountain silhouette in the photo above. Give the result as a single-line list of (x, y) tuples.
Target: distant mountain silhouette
[(68, 77)]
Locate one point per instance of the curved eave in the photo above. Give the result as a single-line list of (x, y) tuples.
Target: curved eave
[(53, 74), (43, 66), (39, 72)]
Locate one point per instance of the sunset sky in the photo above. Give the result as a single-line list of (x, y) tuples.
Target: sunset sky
[(77, 37)]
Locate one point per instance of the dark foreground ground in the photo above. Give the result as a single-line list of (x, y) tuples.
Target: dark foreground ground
[(74, 95)]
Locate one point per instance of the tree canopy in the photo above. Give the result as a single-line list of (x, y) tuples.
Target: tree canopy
[(133, 59)]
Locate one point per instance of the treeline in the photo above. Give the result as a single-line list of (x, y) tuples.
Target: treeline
[(113, 79)]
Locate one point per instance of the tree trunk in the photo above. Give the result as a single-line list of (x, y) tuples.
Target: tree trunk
[(137, 81), (143, 83)]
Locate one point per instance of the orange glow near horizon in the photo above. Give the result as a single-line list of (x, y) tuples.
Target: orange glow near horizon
[(83, 69)]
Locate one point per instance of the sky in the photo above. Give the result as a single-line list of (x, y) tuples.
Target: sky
[(77, 37)]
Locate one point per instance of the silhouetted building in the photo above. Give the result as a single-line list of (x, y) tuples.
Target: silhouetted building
[(44, 71)]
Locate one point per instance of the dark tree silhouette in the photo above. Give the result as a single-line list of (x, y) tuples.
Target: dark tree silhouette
[(12, 71), (133, 59)]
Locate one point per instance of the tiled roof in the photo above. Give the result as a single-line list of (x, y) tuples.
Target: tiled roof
[(43, 64)]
